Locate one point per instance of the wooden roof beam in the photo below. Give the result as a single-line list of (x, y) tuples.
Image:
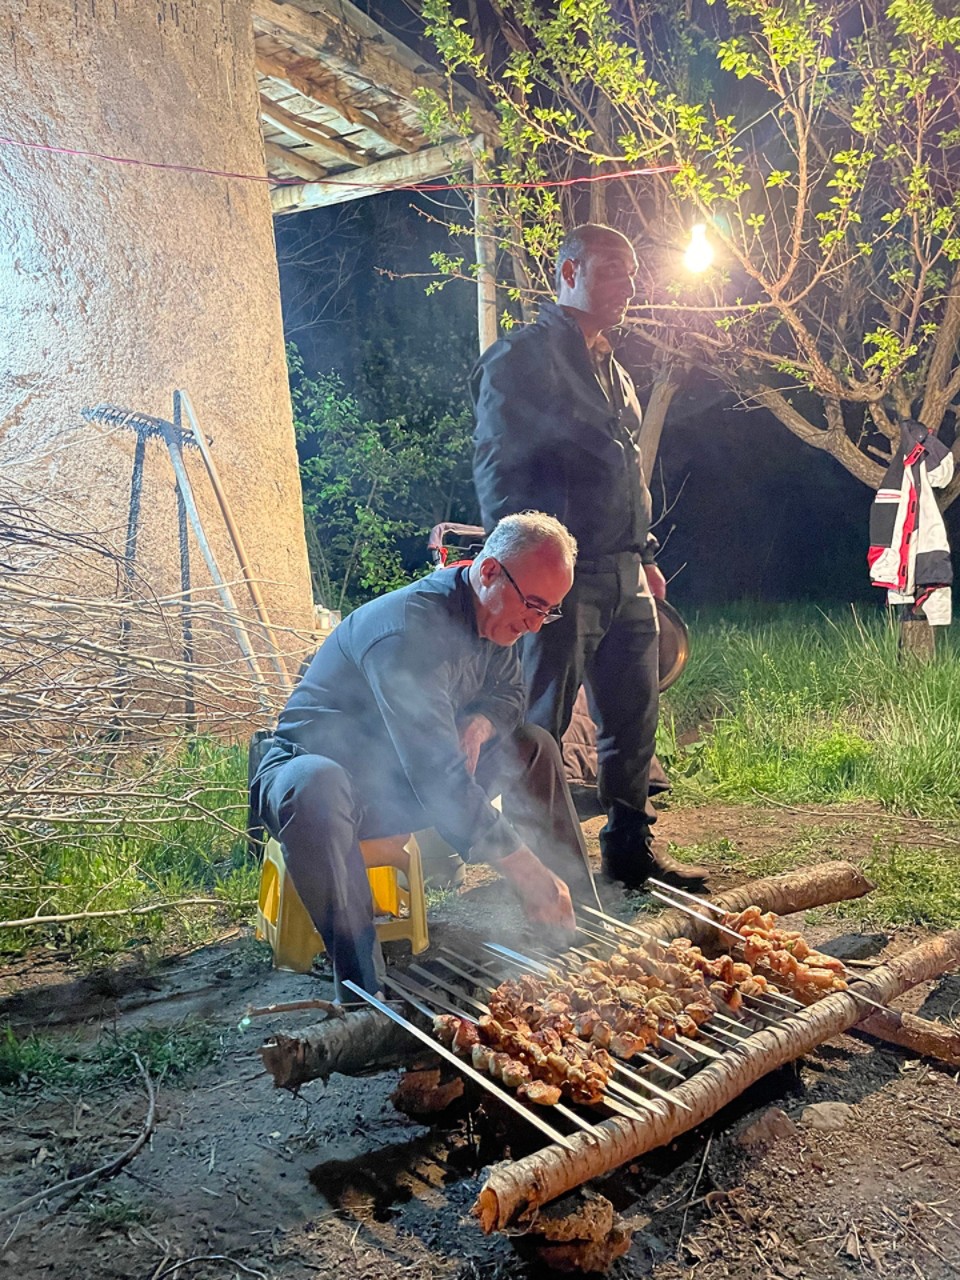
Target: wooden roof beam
[(433, 162), (317, 135), (292, 160), (309, 88), (337, 28)]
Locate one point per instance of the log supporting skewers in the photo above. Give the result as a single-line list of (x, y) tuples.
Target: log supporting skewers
[(514, 1190)]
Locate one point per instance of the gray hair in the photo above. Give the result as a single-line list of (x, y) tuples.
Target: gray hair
[(581, 241), (514, 536)]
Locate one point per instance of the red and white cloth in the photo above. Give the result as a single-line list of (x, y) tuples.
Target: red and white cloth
[(909, 554)]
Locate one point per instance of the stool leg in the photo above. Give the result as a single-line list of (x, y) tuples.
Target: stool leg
[(419, 937)]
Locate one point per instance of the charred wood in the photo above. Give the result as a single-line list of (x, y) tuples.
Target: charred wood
[(354, 1045)]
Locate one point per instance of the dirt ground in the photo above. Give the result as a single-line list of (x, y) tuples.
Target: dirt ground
[(240, 1179)]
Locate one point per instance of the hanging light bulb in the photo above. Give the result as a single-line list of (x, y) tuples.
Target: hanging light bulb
[(699, 254)]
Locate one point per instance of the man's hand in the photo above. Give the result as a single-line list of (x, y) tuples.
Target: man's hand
[(656, 582), (474, 732), (544, 897)]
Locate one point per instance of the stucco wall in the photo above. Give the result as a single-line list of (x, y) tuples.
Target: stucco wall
[(120, 282)]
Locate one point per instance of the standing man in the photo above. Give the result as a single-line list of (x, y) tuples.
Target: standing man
[(410, 716), (558, 428)]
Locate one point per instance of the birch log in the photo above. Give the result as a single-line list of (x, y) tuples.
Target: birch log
[(353, 1045), (514, 1190), (932, 1039), (783, 895)]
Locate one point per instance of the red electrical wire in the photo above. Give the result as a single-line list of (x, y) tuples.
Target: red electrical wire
[(340, 182)]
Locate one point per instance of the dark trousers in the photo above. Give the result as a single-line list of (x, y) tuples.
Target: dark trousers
[(309, 804), (607, 641)]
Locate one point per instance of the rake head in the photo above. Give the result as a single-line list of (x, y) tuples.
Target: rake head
[(142, 423)]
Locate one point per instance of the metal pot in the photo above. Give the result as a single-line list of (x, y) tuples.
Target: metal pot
[(674, 644)]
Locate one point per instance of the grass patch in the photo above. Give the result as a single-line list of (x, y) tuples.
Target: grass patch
[(914, 887), (113, 1211), (35, 1062), (815, 844), (177, 832), (809, 709)]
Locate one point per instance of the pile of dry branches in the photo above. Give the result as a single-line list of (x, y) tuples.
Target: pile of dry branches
[(114, 698)]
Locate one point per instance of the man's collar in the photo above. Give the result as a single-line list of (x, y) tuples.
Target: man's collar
[(553, 312)]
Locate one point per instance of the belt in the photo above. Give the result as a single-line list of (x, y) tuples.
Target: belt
[(605, 564)]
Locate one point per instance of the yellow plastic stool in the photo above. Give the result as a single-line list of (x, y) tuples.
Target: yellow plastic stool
[(283, 921)]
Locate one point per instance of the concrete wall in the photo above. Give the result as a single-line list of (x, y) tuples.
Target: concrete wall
[(120, 282)]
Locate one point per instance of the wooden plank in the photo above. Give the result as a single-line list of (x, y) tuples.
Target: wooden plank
[(307, 131), (315, 92), (433, 162), (292, 160), (339, 30)]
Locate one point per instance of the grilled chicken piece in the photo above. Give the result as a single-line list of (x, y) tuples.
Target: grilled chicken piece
[(538, 1091), (444, 1028), (480, 1057), (625, 1044), (465, 1037), (728, 994), (515, 1073)]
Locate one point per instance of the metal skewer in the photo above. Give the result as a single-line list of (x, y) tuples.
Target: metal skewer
[(619, 924), (678, 1044), (757, 1014), (411, 989), (517, 958), (446, 986), (465, 1067), (697, 915), (704, 902), (680, 906), (692, 897), (619, 1065), (393, 985)]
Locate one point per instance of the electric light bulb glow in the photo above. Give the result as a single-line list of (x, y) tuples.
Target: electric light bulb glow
[(699, 254)]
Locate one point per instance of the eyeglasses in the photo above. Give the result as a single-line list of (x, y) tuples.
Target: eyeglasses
[(547, 615)]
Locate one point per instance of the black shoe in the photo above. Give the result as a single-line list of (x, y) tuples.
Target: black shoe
[(633, 871)]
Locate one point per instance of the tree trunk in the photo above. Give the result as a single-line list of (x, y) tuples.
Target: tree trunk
[(665, 387), (917, 642), (514, 1190)]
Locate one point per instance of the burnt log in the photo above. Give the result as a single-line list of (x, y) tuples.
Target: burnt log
[(515, 1190), (906, 1030), (355, 1045), (580, 1233)]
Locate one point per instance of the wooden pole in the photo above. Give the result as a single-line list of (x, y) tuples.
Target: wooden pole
[(486, 259), (514, 1190), (227, 512)]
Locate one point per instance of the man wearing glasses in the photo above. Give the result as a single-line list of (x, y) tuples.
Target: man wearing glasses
[(558, 427), (411, 716)]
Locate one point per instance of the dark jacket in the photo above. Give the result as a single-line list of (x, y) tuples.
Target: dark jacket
[(383, 697), (549, 439)]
